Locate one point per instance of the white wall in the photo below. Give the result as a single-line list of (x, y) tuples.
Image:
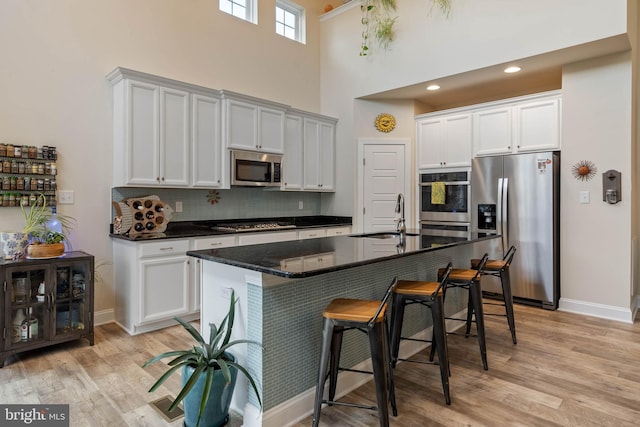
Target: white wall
[(55, 56), (596, 239)]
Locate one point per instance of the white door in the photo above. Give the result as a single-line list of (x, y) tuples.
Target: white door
[(384, 177)]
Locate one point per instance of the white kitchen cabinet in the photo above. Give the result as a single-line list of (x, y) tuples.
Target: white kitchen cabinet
[(196, 273), (267, 237), (151, 134), (525, 124), (153, 284), (252, 124), (338, 231), (319, 154), (312, 233), (208, 159), (444, 140), (293, 153)]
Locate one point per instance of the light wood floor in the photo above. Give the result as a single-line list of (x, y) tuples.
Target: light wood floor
[(566, 370)]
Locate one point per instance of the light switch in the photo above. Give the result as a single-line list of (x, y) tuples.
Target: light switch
[(178, 206), (65, 197), (584, 197)]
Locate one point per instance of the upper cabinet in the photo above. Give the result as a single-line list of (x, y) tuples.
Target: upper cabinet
[(159, 126), (444, 140), (252, 124), (208, 158), (293, 147), (526, 124), (319, 153)]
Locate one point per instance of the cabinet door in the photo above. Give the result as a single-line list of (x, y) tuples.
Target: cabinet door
[(165, 288), (430, 142), (270, 130), (319, 155), (22, 303), (241, 125), (292, 168), (205, 243), (492, 131), (538, 125), (142, 155), (174, 137), (72, 286), (207, 154), (327, 156), (458, 141)]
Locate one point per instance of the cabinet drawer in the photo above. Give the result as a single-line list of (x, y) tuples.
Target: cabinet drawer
[(312, 234), (214, 242), (338, 231), (164, 247)]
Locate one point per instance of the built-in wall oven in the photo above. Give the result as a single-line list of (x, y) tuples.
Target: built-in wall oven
[(445, 203)]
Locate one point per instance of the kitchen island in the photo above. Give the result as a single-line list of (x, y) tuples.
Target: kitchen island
[(282, 289)]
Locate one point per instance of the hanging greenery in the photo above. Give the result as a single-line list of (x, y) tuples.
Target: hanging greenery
[(377, 21)]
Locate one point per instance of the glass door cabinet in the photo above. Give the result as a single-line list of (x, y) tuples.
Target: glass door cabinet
[(46, 301)]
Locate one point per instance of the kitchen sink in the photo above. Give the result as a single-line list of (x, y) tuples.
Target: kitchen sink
[(383, 235)]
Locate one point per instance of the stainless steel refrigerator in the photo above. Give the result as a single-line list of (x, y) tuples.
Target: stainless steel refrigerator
[(517, 196)]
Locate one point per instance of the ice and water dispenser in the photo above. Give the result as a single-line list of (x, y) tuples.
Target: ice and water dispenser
[(487, 217)]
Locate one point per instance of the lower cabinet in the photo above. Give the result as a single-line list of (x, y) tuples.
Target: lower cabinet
[(153, 283), (45, 302), (196, 272)]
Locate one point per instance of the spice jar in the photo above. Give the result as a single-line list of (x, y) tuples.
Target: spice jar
[(13, 183), (21, 168), (34, 168), (20, 183), (32, 200), (33, 152), (34, 184), (6, 183), (6, 166), (14, 166), (12, 199), (27, 183), (3, 150), (40, 169), (24, 201), (10, 150), (17, 151)]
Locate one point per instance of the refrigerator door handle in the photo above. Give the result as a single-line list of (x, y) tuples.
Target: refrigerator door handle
[(499, 217), (505, 214)]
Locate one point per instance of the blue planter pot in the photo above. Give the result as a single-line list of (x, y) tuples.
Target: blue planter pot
[(216, 413)]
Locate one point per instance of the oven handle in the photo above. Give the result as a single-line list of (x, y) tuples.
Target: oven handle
[(429, 184)]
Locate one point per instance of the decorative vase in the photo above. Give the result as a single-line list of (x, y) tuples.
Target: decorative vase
[(13, 244), (216, 412), (45, 250)]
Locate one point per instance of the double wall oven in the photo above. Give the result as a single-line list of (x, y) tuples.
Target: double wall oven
[(445, 203)]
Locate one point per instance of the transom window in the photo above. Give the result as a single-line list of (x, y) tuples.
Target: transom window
[(290, 20), (243, 9)]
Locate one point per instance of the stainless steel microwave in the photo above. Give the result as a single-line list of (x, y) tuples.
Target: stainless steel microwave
[(249, 168)]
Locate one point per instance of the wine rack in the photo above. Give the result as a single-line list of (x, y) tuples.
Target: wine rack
[(149, 215)]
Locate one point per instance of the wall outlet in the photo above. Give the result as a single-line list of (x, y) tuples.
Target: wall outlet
[(178, 206), (300, 205), (65, 197)]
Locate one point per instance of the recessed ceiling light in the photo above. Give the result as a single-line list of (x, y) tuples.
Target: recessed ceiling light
[(433, 87), (513, 69)]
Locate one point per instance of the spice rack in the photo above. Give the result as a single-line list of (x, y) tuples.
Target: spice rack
[(26, 172)]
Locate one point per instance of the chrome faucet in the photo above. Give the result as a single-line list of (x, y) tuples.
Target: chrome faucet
[(401, 226)]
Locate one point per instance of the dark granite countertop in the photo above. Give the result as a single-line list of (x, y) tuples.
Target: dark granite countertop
[(327, 254), (185, 229)]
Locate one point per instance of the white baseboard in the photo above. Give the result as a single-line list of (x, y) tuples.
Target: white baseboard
[(300, 407), (620, 314), (103, 317)]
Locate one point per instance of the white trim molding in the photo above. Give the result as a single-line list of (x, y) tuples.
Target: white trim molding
[(620, 314)]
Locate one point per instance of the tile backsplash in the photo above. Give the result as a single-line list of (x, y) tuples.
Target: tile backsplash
[(238, 202)]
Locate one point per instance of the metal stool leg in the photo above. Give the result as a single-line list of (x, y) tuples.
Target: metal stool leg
[(334, 363), (475, 291), (325, 354), (440, 342), (397, 320), (387, 354), (378, 360), (508, 302)]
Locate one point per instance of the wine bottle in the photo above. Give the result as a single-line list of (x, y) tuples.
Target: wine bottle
[(137, 205)]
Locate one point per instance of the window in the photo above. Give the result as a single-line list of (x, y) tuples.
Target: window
[(243, 9), (290, 20)]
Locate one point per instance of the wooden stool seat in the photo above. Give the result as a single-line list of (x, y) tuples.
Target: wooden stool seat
[(459, 274), (417, 287), (354, 310), (492, 264)]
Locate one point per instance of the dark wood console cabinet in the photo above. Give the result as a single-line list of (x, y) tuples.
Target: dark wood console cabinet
[(45, 302)]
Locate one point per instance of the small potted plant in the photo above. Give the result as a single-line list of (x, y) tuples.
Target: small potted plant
[(209, 373), (46, 230)]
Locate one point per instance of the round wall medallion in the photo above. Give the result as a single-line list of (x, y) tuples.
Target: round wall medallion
[(385, 122)]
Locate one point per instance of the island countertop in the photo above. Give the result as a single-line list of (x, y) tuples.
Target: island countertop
[(310, 257)]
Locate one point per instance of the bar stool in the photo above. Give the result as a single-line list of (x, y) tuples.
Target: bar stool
[(369, 317), (500, 268), (469, 279), (428, 294)]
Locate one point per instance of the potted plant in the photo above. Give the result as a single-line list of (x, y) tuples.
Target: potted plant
[(209, 373), (46, 230)]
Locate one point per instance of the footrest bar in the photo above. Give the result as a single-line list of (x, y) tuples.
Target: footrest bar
[(351, 405)]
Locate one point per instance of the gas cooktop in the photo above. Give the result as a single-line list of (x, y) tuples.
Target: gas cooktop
[(253, 226)]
